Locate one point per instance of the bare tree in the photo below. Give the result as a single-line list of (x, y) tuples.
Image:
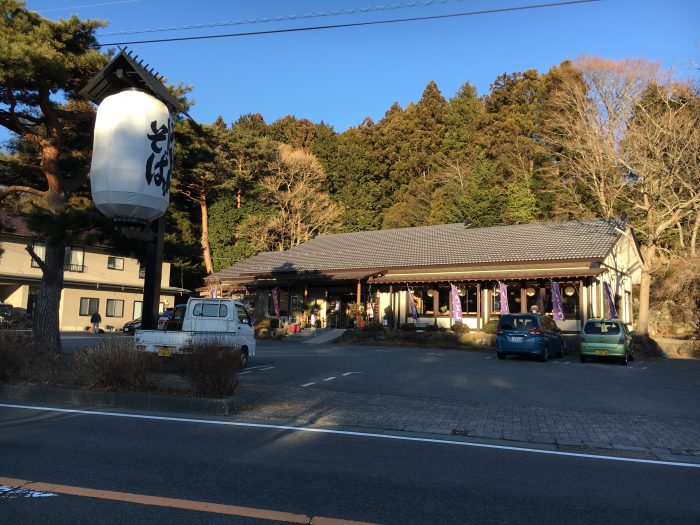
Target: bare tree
[(627, 138), (302, 209)]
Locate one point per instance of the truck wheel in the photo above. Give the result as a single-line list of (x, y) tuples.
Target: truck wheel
[(244, 357)]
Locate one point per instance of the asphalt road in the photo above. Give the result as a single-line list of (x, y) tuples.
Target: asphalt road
[(351, 477), (661, 387)]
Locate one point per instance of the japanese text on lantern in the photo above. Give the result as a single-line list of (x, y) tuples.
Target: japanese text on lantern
[(160, 162)]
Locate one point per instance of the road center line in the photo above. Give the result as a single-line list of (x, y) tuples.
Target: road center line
[(392, 437), (308, 384), (201, 506), (330, 378)]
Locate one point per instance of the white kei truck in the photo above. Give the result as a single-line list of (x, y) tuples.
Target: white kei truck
[(222, 322)]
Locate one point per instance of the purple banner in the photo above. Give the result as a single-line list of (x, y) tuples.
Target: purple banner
[(456, 304), (412, 305), (503, 290), (276, 302), (611, 302), (557, 303)]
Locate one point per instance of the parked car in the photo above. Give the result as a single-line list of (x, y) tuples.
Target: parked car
[(177, 317), (163, 317), (131, 327), (608, 338), (528, 334)]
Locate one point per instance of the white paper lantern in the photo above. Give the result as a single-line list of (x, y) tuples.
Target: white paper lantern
[(132, 157)]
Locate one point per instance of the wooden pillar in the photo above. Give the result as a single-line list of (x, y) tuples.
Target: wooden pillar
[(359, 291), (581, 303), (523, 298), (436, 305), (479, 320), (391, 306)]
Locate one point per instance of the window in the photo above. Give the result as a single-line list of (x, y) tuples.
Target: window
[(138, 309), (210, 309), (40, 250), (73, 259), (89, 305), (602, 327), (243, 317), (115, 263), (115, 308)]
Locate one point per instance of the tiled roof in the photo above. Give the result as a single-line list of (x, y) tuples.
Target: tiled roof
[(446, 244)]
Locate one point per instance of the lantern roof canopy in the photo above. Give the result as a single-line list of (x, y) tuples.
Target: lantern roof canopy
[(126, 71)]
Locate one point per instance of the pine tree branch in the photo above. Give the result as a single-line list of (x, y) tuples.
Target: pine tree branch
[(35, 257), (5, 192)]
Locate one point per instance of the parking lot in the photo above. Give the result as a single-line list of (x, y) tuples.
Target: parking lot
[(646, 386)]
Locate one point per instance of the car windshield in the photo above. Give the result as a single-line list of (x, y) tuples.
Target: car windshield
[(602, 327), (517, 322)]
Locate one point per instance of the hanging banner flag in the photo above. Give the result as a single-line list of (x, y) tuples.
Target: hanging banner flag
[(276, 302), (412, 305), (456, 304), (557, 303), (611, 303), (503, 291)]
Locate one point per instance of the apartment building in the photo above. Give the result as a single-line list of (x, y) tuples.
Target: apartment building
[(95, 280)]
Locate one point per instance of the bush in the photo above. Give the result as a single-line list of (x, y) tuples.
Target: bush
[(431, 328), (408, 327), (213, 370), (114, 364), (15, 352), (490, 327), (374, 326), (460, 328)]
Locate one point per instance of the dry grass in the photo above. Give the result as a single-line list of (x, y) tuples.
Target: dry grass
[(114, 365), (212, 370)]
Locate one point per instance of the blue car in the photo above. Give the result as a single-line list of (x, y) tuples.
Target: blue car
[(530, 335)]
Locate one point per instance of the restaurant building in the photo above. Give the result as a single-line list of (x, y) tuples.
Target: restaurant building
[(595, 262)]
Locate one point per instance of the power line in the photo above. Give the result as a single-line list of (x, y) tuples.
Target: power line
[(284, 18), (355, 24)]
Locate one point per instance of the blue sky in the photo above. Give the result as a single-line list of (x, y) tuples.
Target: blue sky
[(340, 76)]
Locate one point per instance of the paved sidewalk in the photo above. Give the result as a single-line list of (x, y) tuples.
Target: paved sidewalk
[(566, 429)]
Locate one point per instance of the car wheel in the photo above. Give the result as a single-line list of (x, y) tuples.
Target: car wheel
[(545, 354), (500, 355), (562, 349), (244, 357), (632, 355), (625, 359)]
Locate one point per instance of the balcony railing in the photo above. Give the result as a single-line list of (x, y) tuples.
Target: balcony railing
[(78, 268)]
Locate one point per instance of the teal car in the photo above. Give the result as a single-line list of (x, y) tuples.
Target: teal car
[(607, 338)]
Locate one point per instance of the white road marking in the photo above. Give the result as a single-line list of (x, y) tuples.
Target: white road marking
[(490, 357), (259, 369), (18, 492), (308, 384), (330, 378), (433, 353), (266, 368), (391, 437), (350, 373)]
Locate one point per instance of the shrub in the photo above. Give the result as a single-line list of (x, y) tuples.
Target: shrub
[(374, 326), (431, 328), (15, 353), (460, 328), (490, 327), (408, 327), (212, 370), (114, 364)]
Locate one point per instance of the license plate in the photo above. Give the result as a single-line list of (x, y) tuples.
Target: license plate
[(601, 352), (165, 351), (515, 338)]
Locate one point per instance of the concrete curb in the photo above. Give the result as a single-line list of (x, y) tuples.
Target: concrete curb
[(128, 400)]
